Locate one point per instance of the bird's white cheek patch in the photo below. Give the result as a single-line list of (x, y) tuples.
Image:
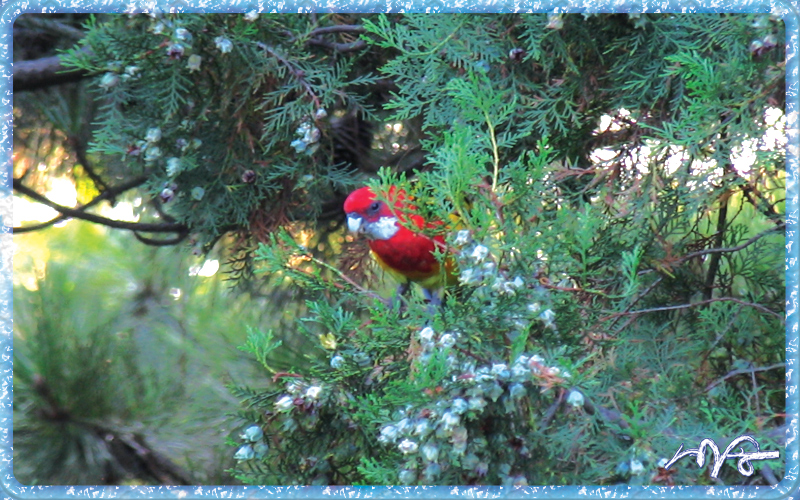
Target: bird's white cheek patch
[(383, 229)]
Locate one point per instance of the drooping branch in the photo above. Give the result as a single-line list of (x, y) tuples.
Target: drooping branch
[(81, 213)]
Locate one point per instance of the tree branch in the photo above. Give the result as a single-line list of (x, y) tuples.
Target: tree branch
[(696, 304), (747, 243), (57, 28), (40, 73), (713, 263), (337, 28), (339, 47), (80, 154), (741, 371), (297, 73), (80, 213), (610, 416), (314, 37), (551, 411), (161, 243), (107, 194), (633, 303)]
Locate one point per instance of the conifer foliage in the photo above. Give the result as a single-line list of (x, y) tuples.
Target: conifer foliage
[(618, 182)]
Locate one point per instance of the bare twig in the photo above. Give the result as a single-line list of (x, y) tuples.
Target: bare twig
[(339, 47), (551, 411), (37, 227), (80, 153), (338, 28), (699, 253), (713, 263), (696, 304), (720, 336), (472, 355), (161, 243), (755, 392), (611, 416), (314, 37), (80, 213), (633, 303), (342, 276), (297, 73), (747, 243), (105, 195), (741, 371)]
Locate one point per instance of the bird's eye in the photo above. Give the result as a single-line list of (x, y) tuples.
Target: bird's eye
[(376, 205)]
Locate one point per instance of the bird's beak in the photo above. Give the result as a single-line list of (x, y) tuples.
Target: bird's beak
[(355, 222)]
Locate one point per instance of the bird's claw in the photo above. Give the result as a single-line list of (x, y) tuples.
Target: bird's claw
[(397, 301)]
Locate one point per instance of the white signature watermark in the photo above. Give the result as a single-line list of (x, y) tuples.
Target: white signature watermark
[(744, 465)]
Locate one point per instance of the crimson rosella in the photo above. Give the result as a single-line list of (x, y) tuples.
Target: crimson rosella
[(405, 254)]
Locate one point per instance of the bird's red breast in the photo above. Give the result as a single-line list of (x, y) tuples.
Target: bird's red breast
[(407, 254)]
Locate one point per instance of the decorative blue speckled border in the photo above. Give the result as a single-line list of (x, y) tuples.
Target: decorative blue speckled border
[(11, 488)]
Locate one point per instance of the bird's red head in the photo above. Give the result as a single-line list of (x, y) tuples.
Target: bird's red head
[(363, 202), (376, 218)]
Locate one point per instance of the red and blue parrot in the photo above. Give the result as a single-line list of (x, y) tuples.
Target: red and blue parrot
[(405, 254)]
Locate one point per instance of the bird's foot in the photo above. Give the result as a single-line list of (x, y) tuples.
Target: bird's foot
[(431, 297), (398, 300), (433, 300)]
